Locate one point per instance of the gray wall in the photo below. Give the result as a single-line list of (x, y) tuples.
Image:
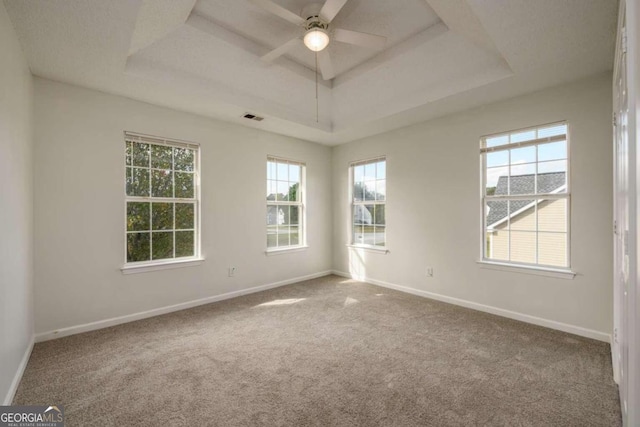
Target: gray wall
[(16, 207)]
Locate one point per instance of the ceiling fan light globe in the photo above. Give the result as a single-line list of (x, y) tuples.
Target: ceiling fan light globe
[(316, 39)]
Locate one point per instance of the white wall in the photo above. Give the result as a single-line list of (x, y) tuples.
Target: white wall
[(433, 208), (79, 200), (16, 207)]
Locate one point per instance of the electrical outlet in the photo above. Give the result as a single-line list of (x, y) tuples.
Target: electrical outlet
[(232, 271), (429, 271)]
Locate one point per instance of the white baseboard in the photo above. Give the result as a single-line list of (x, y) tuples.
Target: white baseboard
[(552, 324), (18, 376), (100, 324)]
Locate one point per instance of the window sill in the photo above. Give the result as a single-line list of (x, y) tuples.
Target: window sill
[(525, 269), (144, 268), (281, 251), (381, 250)]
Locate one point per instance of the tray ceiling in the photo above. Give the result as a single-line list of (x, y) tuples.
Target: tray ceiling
[(203, 57)]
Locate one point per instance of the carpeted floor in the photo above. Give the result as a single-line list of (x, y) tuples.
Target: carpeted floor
[(325, 352)]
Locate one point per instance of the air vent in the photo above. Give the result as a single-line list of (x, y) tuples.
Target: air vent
[(253, 117)]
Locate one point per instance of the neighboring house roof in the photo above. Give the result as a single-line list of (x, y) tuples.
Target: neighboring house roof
[(521, 184)]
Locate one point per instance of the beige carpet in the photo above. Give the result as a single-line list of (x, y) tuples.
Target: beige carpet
[(325, 352)]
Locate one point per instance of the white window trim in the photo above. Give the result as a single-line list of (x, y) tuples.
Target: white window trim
[(536, 270), (286, 250), (368, 248), (509, 265), (133, 268), (302, 203), (372, 248), (169, 263)]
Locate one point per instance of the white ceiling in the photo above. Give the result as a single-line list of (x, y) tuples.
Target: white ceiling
[(203, 57)]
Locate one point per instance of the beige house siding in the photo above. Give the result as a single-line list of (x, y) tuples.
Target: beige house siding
[(552, 236)]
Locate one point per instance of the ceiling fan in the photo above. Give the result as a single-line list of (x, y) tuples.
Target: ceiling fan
[(316, 18)]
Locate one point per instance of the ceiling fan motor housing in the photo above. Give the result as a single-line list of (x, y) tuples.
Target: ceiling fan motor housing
[(311, 13)]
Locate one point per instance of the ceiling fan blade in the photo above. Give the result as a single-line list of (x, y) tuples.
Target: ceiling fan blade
[(330, 9), (278, 10), (361, 39), (279, 51), (325, 64)]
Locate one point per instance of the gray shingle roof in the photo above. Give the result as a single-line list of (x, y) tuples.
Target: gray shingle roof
[(521, 184)]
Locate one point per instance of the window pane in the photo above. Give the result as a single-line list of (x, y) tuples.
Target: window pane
[(286, 215), (138, 216), (283, 235), (552, 215), (522, 215), (283, 190), (294, 215), (380, 238), (185, 188), (184, 244), (162, 216), (358, 191), (369, 171), (552, 151), (552, 249), (271, 190), (138, 247), (184, 159), (498, 244), (282, 171), (379, 215), (139, 185), (272, 236), (497, 181), (523, 136), (523, 246), (552, 176), (295, 235), (500, 158), (370, 190), (496, 213), (552, 131), (162, 245), (368, 227), (140, 154), (294, 173), (293, 194), (128, 177), (161, 157), (271, 170), (185, 216), (358, 173), (523, 155), (274, 215), (497, 141), (128, 153), (381, 189), (523, 179), (358, 214), (358, 234), (161, 183), (381, 170)]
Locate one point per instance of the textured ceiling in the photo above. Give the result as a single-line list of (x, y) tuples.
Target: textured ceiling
[(203, 57)]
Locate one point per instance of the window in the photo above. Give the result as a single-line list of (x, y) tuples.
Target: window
[(162, 199), (285, 203), (526, 197), (368, 198)]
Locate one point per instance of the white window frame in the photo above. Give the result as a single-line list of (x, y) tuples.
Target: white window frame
[(538, 197), (142, 266), (353, 203), (300, 203)]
